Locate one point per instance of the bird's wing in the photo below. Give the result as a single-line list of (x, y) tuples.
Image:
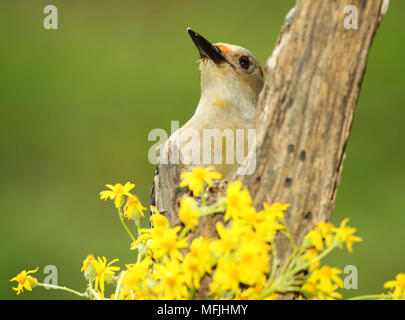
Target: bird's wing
[(152, 190), (157, 196), (153, 194)]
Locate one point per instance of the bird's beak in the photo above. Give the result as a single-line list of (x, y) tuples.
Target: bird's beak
[(206, 49)]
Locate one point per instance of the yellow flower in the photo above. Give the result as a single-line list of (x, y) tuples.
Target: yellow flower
[(398, 285), (248, 216), (166, 242), (345, 235), (276, 209), (327, 232), (226, 278), (117, 192), (273, 296), (159, 221), (255, 292), (133, 207), (172, 284), (314, 237), (159, 226), (253, 262), (25, 281), (324, 231), (267, 224), (197, 177), (323, 284), (230, 238), (237, 201), (146, 289), (136, 272), (197, 262), (133, 278), (188, 212), (310, 255), (86, 262), (104, 272), (88, 269)]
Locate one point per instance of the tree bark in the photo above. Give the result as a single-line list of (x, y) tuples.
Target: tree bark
[(306, 109), (304, 114)]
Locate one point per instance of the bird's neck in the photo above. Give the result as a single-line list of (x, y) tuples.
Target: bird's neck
[(225, 102)]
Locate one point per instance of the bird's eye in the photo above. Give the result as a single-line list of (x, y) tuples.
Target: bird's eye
[(244, 62)]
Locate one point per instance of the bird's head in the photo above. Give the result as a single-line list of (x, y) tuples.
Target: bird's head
[(227, 71)]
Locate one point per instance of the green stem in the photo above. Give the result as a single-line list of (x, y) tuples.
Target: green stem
[(192, 293), (51, 286), (139, 257), (184, 232), (309, 263), (137, 225), (124, 225), (268, 292), (203, 203), (287, 233), (275, 263), (291, 273), (216, 207), (288, 264), (94, 293), (117, 290), (205, 211)]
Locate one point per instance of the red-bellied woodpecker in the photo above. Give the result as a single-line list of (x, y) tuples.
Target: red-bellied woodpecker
[(231, 80)]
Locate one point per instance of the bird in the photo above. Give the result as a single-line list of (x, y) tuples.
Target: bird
[(231, 80)]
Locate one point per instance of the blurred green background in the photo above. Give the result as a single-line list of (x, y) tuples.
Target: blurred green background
[(77, 105)]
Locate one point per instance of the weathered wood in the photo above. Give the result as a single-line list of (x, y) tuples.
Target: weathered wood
[(306, 109)]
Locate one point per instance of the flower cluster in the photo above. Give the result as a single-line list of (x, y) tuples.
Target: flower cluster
[(238, 261), (323, 282), (132, 208)]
